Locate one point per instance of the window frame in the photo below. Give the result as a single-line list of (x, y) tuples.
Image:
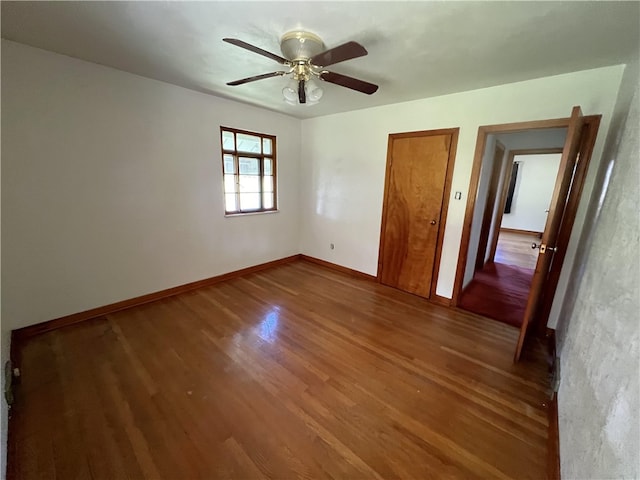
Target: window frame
[(236, 173)]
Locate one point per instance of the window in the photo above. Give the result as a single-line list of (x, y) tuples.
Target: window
[(249, 171)]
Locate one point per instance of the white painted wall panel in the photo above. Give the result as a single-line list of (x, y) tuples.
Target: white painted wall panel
[(599, 337), (112, 188), (478, 211), (532, 195), (344, 160)]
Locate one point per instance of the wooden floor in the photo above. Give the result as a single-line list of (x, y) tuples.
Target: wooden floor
[(515, 249), (498, 291), (293, 372)]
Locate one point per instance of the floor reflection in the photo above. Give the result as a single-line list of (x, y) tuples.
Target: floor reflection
[(268, 327)]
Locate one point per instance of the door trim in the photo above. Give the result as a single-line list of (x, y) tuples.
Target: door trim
[(445, 199), (483, 132)]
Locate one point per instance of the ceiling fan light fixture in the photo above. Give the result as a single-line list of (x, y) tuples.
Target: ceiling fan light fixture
[(314, 92), (290, 93), (305, 58), (299, 44)]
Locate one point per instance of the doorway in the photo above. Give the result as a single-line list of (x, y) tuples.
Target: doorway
[(515, 214), (416, 194), (579, 134)]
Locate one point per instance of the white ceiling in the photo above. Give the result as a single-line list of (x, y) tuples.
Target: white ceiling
[(416, 49)]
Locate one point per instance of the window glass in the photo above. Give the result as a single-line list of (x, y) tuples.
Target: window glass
[(228, 164), (250, 201), (249, 166), (248, 143), (267, 185), (249, 171), (267, 199), (229, 183), (230, 202), (227, 140), (249, 183), (266, 146)]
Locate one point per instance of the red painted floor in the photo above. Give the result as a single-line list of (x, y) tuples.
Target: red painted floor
[(498, 291)]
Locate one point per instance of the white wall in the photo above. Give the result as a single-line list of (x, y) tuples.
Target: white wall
[(344, 161), (532, 194), (599, 338), (111, 186), (478, 211), (496, 204), (5, 347)]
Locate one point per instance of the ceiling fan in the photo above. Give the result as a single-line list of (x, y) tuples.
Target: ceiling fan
[(305, 57)]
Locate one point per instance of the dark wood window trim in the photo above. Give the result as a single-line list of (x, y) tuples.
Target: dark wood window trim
[(262, 157)]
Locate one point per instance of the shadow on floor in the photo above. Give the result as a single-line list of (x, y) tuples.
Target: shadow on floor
[(498, 291)]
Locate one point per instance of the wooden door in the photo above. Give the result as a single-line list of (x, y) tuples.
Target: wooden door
[(589, 134), (570, 154), (418, 176)]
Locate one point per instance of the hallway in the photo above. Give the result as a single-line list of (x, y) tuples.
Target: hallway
[(500, 290)]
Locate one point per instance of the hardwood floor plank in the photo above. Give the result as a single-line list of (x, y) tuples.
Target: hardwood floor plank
[(293, 372), (514, 248)]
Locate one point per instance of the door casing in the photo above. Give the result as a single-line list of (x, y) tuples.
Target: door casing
[(591, 122)]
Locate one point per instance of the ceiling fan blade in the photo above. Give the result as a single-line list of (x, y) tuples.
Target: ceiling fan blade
[(349, 82), (302, 96), (343, 52), (254, 49), (256, 77)]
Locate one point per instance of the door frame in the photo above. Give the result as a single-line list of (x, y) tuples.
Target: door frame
[(505, 190), (442, 220), (591, 122), (489, 213)]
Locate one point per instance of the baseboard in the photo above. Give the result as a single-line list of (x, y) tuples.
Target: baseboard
[(553, 441), (550, 335), (523, 232), (553, 434), (21, 334), (338, 268), (553, 360), (437, 299)]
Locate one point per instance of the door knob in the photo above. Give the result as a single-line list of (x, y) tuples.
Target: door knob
[(544, 248), (432, 222)]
